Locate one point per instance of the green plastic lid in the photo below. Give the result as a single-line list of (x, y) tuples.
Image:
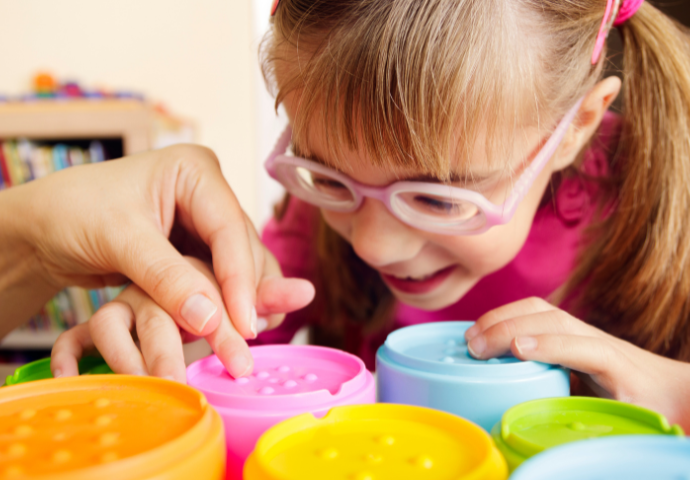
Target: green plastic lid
[(40, 370), (532, 427)]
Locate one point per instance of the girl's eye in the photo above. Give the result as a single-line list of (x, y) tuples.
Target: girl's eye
[(326, 184), (443, 206), (437, 204)]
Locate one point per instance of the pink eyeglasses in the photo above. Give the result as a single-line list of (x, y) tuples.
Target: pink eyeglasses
[(433, 207)]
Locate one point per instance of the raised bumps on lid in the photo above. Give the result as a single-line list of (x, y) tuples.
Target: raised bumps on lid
[(77, 427), (376, 442), (315, 374)]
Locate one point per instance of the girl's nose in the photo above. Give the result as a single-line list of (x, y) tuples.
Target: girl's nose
[(380, 239)]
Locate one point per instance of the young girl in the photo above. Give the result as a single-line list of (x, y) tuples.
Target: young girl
[(456, 160)]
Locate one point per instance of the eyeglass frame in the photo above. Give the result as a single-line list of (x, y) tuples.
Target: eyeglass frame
[(493, 214)]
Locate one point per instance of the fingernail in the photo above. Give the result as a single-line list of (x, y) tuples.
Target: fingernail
[(197, 311), (169, 377), (525, 344), (253, 322), (477, 346), (140, 373), (57, 373), (261, 324), (240, 366), (471, 332)]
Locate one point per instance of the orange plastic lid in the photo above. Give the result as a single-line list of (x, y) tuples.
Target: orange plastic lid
[(108, 427)]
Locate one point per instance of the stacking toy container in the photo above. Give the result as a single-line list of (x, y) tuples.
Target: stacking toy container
[(109, 427), (532, 427), (639, 457), (376, 442), (288, 380), (429, 365), (40, 370)]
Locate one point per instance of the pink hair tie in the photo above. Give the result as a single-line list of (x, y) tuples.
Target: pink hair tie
[(274, 7), (627, 10), (616, 13)]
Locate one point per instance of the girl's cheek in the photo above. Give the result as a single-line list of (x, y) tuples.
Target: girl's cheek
[(339, 221)]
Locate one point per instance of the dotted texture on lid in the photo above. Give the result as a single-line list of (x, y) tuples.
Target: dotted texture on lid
[(638, 457), (71, 425), (279, 371), (440, 347), (535, 426), (376, 442)]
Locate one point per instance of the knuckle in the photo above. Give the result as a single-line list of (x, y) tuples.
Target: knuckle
[(162, 276), (197, 157), (159, 359), (507, 328), (150, 323), (64, 339), (535, 303)]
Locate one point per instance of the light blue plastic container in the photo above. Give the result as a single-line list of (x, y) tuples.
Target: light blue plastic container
[(635, 457), (429, 365)]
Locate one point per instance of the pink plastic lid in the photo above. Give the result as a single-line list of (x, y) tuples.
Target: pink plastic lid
[(284, 377)]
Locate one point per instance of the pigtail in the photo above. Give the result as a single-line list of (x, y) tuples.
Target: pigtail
[(637, 273)]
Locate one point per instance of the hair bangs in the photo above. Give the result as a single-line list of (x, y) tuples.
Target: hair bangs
[(407, 82)]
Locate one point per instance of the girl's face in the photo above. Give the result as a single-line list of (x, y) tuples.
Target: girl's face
[(427, 270)]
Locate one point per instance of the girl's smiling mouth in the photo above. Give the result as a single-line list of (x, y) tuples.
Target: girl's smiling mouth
[(418, 285)]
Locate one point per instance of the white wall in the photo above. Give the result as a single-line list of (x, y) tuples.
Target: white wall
[(197, 56), (269, 125)]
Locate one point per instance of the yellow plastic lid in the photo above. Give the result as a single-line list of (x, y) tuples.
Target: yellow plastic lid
[(108, 427), (376, 442)]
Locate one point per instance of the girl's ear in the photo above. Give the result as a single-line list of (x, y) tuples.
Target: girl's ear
[(588, 118)]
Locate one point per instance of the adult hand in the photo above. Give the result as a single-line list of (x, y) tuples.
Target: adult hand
[(134, 312), (101, 224), (533, 329)]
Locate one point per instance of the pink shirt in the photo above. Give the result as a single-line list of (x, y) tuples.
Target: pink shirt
[(543, 264)]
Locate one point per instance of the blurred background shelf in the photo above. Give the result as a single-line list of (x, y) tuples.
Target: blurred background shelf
[(29, 340), (129, 120)]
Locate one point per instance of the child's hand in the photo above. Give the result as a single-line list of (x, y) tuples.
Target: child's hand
[(111, 330), (536, 330)]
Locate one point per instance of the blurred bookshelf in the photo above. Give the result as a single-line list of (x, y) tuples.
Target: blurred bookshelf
[(44, 133)]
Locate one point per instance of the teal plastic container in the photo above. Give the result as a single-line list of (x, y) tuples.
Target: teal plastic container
[(429, 365), (40, 370), (635, 457)]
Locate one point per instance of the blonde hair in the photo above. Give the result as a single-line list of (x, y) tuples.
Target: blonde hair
[(408, 80)]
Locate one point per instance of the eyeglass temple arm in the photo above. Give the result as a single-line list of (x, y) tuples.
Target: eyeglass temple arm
[(281, 146), (525, 181)]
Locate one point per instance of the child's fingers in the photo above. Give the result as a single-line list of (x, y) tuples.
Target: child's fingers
[(495, 341), (159, 338), (512, 310), (277, 295), (594, 356), (69, 349), (110, 329)]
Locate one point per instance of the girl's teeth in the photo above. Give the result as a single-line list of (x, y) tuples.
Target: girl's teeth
[(415, 279)]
